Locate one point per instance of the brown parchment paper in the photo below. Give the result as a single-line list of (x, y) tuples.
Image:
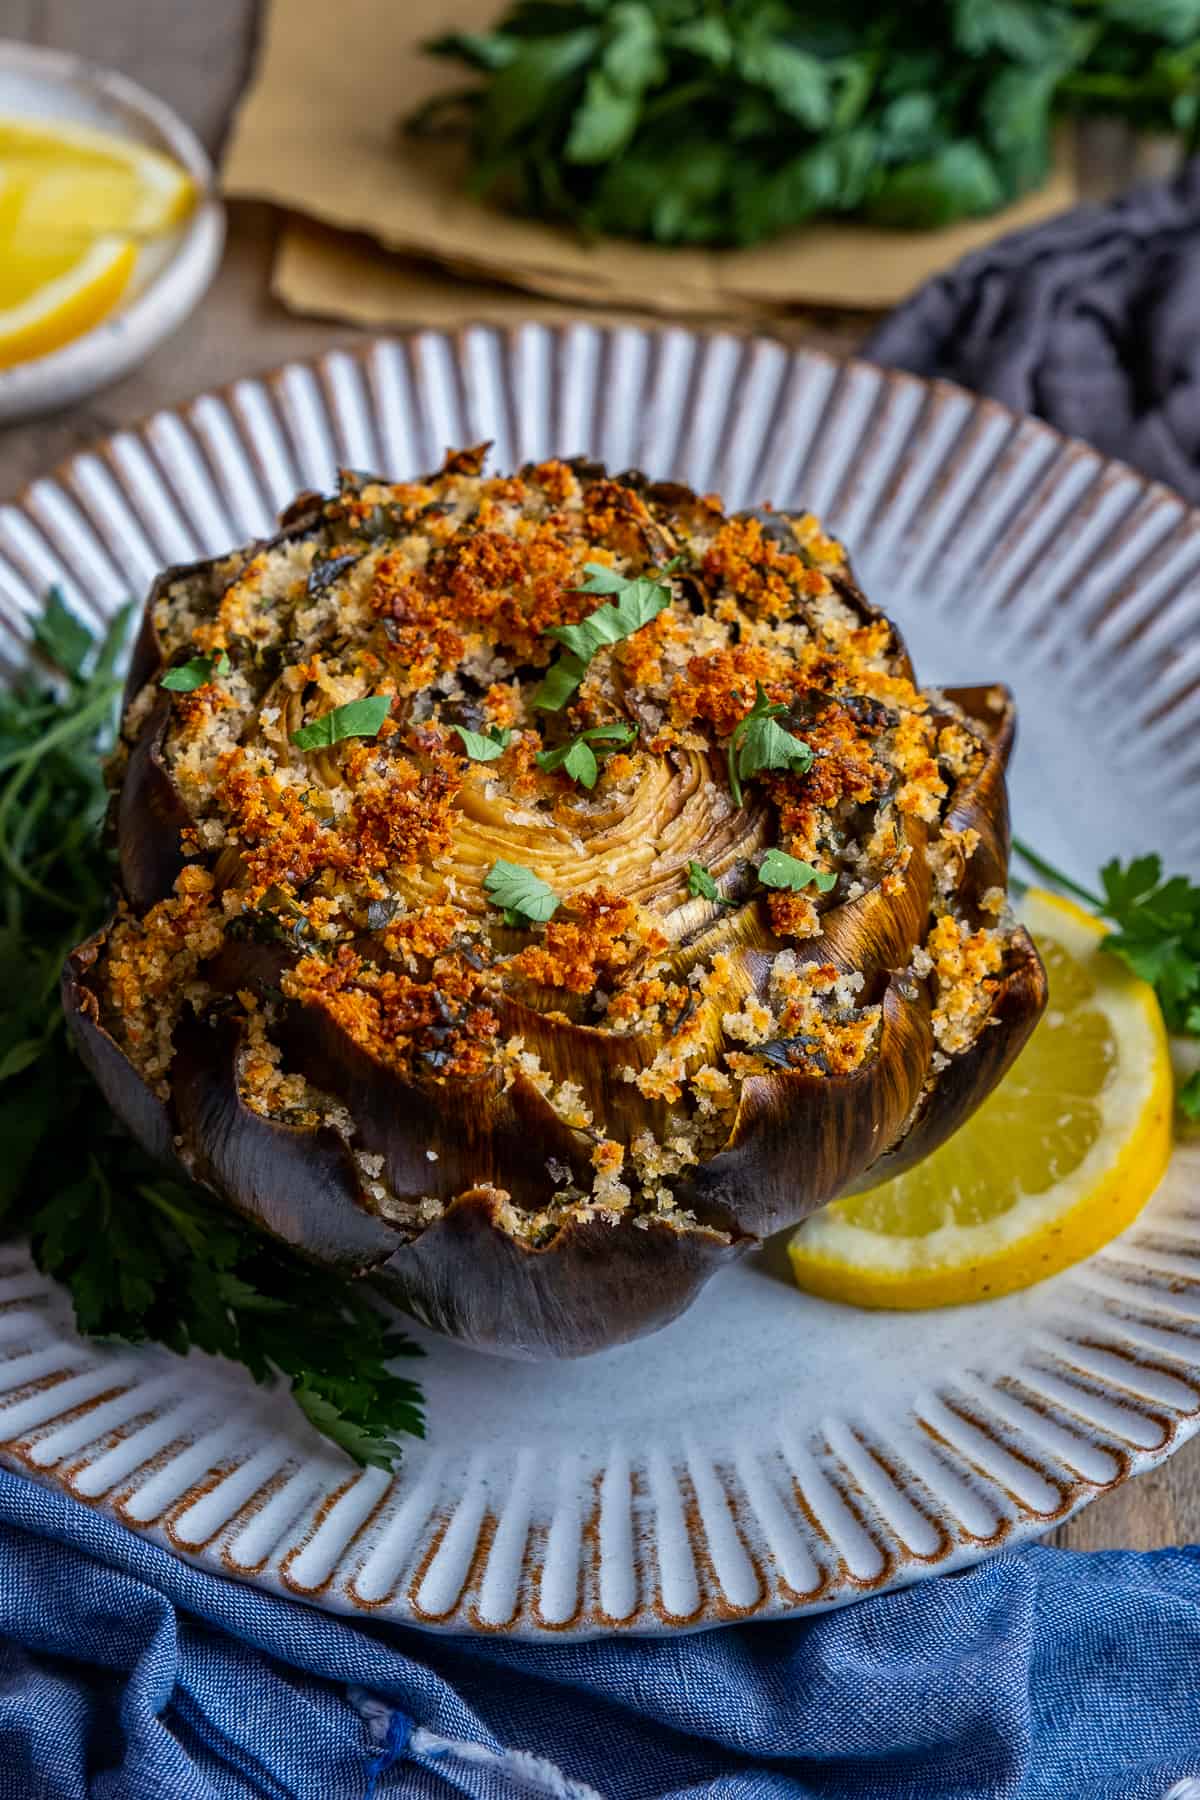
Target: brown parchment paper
[(319, 132), (335, 275)]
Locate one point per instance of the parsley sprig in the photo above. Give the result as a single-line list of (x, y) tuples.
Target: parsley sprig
[(1157, 934), (186, 677), (779, 870), (727, 121), (484, 746), (523, 897), (701, 885), (636, 600), (580, 757), (758, 743), (357, 718), (144, 1257)]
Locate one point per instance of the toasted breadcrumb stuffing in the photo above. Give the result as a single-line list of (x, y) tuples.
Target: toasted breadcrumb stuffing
[(605, 937), (608, 1190), (348, 882), (965, 965), (151, 968)]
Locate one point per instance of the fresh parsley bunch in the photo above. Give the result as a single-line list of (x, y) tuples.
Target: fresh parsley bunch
[(1157, 933), (727, 121), (143, 1256)]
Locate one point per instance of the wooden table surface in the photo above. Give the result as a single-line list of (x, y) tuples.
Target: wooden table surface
[(197, 58)]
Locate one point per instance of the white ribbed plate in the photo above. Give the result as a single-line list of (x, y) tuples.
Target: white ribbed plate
[(768, 1452)]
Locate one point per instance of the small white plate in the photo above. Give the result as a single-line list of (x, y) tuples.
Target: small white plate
[(768, 1453), (172, 273)]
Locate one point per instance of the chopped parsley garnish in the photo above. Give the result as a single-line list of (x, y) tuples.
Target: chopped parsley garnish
[(484, 746), (195, 674), (701, 885), (143, 1256), (523, 897), (636, 601), (358, 718), (758, 743), (558, 684), (1157, 935), (779, 870), (579, 758), (576, 759)]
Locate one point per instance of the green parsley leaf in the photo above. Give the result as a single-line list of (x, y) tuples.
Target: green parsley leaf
[(483, 50), (800, 83), (779, 870), (60, 636), (358, 718), (195, 674), (484, 747), (1188, 1096), (611, 737), (524, 897), (578, 759), (636, 601), (19, 1057), (1129, 886), (1157, 933), (371, 1445), (701, 885), (758, 743), (558, 684), (604, 122)]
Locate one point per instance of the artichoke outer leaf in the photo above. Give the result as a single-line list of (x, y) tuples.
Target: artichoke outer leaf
[(798, 1140), (151, 817), (147, 658), (594, 1284), (980, 803), (298, 1185), (876, 932), (144, 1115), (481, 1133), (150, 812), (969, 1077)]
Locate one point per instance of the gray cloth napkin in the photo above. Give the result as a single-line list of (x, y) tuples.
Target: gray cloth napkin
[(1091, 320)]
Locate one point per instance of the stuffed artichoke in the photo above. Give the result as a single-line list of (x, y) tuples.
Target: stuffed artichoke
[(537, 889)]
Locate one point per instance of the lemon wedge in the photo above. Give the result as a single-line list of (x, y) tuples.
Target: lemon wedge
[(61, 304), (66, 183), (75, 207), (1061, 1157)]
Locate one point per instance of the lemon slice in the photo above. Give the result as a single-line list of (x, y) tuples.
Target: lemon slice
[(44, 305), (1062, 1156), (65, 184), (75, 205)]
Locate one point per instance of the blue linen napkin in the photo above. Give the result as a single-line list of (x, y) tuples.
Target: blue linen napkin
[(1091, 320), (127, 1674)]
